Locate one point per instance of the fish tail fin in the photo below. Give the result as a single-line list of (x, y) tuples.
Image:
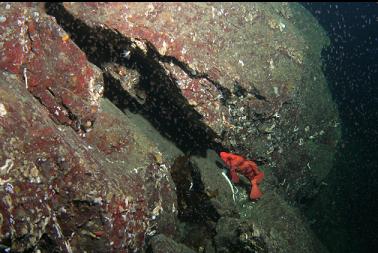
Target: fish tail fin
[(255, 191), (259, 177)]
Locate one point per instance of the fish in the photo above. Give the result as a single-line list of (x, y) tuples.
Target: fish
[(238, 164)]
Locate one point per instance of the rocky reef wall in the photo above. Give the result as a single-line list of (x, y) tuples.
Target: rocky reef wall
[(108, 113)]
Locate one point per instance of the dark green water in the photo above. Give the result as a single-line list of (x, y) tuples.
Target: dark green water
[(345, 214)]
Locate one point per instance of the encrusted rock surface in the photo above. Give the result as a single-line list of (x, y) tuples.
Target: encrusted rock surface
[(61, 189), (163, 244), (58, 190), (54, 69), (107, 112), (251, 70), (236, 236)]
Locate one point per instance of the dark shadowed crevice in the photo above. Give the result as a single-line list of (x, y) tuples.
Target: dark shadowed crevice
[(46, 243), (165, 107), (195, 210)]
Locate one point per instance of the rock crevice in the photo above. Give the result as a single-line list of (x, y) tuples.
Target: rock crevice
[(164, 105)]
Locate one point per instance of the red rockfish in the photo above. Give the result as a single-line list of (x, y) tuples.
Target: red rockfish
[(249, 169)]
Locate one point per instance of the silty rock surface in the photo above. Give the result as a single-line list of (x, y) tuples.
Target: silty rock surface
[(252, 72)]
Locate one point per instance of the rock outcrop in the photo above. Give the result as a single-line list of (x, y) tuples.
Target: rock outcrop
[(110, 114)]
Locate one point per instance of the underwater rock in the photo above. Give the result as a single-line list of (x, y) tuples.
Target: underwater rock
[(59, 192), (214, 185), (164, 244), (236, 235), (79, 172), (246, 68), (69, 183), (53, 68), (281, 226)]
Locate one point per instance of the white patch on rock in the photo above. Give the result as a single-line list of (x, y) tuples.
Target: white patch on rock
[(7, 166), (275, 89), (3, 111), (271, 65), (164, 48)]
